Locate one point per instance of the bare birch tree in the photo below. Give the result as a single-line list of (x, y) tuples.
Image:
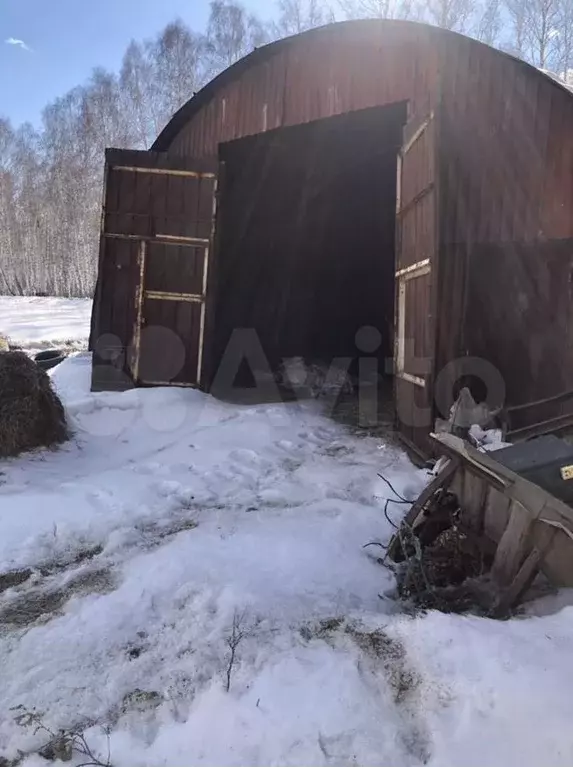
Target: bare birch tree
[(51, 181), (488, 23), (382, 9), (518, 21), (535, 30), (178, 67), (542, 31), (296, 16), (232, 33), (564, 41), (451, 14), (138, 95)]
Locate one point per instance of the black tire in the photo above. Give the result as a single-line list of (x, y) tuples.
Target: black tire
[(49, 358)]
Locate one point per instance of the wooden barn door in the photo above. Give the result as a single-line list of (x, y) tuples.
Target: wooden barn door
[(416, 216), (158, 223)]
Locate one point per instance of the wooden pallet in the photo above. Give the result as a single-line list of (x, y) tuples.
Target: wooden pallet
[(524, 527)]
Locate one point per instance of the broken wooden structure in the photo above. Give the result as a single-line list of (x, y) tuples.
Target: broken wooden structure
[(520, 528)]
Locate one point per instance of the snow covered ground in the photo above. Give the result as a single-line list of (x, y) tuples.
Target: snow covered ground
[(169, 519), (40, 322)]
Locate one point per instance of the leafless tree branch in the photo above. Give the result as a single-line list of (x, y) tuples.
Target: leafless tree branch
[(234, 639)]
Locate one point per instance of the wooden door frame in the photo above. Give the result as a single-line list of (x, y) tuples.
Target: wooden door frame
[(403, 277), (143, 295), (212, 283)]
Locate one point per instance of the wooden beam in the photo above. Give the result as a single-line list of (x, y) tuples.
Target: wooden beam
[(550, 426), (480, 463), (158, 295), (420, 266), (162, 171), (419, 132), (162, 239), (526, 574), (522, 581)]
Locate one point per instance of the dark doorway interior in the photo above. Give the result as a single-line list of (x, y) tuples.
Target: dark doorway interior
[(306, 229)]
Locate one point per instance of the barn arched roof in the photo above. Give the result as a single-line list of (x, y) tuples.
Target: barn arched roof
[(388, 27)]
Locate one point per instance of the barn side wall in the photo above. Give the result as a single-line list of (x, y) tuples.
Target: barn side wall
[(507, 222)]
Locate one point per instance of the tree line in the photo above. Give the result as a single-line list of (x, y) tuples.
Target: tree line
[(51, 177)]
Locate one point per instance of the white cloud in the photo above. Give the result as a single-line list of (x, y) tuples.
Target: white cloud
[(19, 43)]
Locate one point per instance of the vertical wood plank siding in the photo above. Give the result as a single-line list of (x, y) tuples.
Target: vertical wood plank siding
[(506, 254)]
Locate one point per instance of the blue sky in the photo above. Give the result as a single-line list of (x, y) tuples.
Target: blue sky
[(66, 39)]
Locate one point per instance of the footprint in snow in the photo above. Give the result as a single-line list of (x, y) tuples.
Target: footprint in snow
[(285, 444), (98, 497), (249, 464)]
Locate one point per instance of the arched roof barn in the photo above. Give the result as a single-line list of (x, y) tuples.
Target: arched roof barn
[(316, 234)]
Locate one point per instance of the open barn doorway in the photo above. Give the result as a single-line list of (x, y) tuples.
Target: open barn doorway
[(306, 244)]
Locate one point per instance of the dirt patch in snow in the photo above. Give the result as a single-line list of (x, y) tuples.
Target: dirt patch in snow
[(370, 414), (377, 645), (14, 578), (387, 654), (402, 678), (81, 556), (155, 533), (43, 604)]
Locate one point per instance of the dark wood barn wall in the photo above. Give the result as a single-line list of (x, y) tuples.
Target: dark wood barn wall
[(507, 222), (306, 248), (331, 71)]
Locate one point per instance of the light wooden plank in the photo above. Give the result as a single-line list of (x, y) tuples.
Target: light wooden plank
[(163, 171), (158, 295), (410, 378), (421, 266), (511, 549), (521, 582), (528, 571), (419, 132), (496, 514), (472, 501)]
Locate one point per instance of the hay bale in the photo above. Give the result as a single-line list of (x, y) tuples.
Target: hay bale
[(31, 414)]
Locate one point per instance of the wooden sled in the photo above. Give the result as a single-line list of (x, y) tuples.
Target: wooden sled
[(524, 528)]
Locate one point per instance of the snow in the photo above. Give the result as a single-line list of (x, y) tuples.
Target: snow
[(563, 78), (38, 322), (169, 517)]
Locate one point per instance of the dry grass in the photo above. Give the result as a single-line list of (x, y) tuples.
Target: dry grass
[(31, 414)]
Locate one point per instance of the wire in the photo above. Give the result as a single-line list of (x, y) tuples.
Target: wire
[(396, 493), (390, 500)]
